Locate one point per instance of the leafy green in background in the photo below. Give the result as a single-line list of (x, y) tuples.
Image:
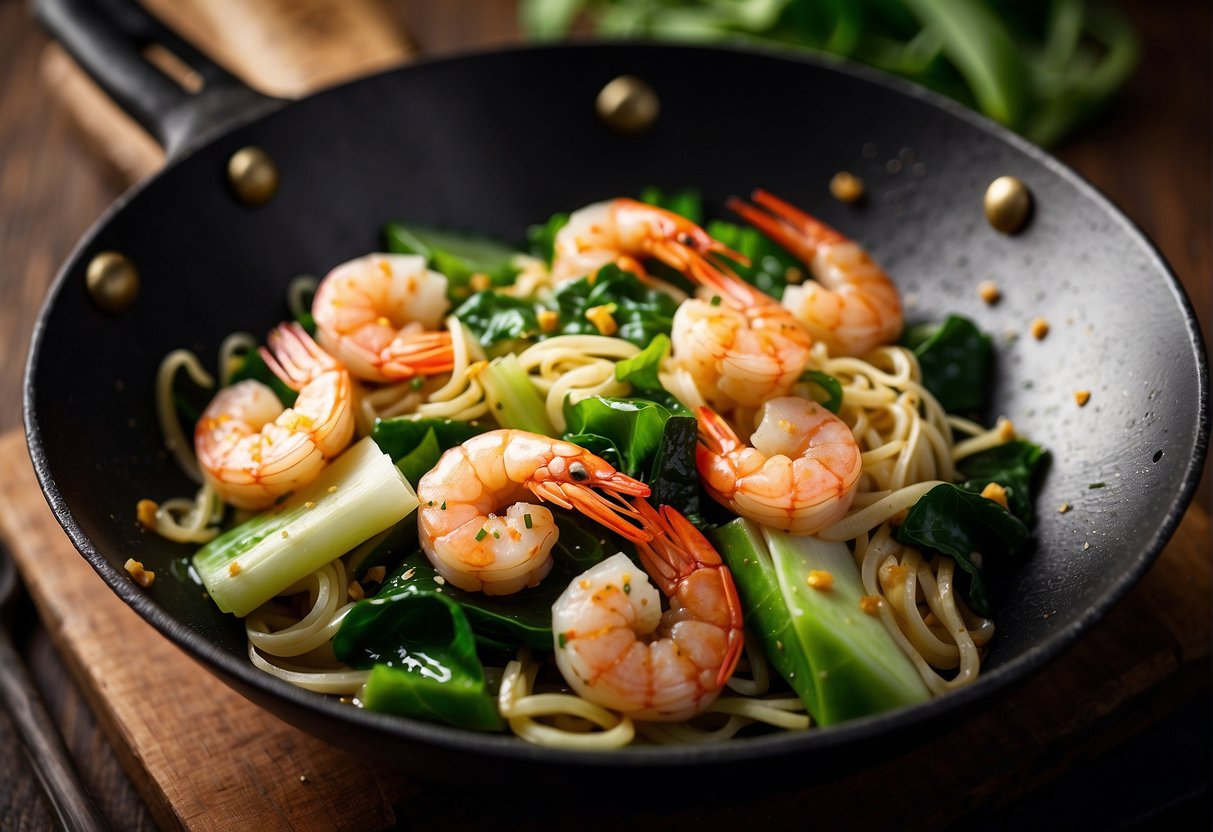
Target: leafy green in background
[(955, 358), (1041, 67)]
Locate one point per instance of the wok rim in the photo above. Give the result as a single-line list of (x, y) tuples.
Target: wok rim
[(506, 746)]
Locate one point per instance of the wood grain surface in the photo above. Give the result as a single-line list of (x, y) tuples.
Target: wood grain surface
[(1149, 153)]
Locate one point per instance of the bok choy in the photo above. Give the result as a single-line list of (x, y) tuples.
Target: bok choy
[(838, 658), (357, 496)]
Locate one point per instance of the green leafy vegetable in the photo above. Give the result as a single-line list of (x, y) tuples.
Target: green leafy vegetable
[(416, 444), (458, 256), (685, 203), (1014, 465), (672, 474), (640, 370), (640, 312), (524, 617), (499, 321), (770, 265), (430, 671), (830, 387), (541, 239), (625, 432), (955, 358), (840, 660), (983, 537), (1041, 68)]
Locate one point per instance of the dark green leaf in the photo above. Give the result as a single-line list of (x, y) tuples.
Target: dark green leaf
[(770, 264), (982, 537), (499, 321), (955, 359), (430, 669), (1015, 465), (673, 475), (625, 432), (685, 203), (402, 435), (641, 313), (541, 239), (497, 620)]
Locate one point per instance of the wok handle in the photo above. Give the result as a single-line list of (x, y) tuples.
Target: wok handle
[(111, 40)]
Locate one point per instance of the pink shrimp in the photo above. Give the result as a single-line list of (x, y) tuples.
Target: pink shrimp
[(624, 232), (476, 548), (799, 472), (617, 649), (252, 449), (851, 304), (378, 315)]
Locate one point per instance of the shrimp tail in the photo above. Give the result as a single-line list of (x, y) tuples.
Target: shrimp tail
[(294, 357), (676, 552), (715, 433), (423, 354), (795, 230)]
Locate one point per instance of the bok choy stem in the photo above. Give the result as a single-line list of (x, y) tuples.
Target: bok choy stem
[(356, 497)]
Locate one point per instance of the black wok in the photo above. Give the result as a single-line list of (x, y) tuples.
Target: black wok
[(495, 141)]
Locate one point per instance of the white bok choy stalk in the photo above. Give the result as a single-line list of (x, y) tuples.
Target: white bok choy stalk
[(359, 495)]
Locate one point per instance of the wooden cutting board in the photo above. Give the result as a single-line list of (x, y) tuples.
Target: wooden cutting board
[(203, 758)]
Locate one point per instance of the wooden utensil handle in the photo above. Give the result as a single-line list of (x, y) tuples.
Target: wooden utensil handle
[(69, 800)]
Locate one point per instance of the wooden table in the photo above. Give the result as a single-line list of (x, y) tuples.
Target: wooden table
[(1150, 154)]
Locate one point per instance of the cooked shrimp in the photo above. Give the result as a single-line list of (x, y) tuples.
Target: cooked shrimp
[(624, 231), (252, 449), (799, 472), (378, 315), (739, 347), (477, 549), (617, 649), (851, 304)]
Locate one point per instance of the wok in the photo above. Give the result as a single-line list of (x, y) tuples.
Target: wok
[(495, 141)]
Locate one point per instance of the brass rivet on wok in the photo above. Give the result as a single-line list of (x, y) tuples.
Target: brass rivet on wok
[(253, 176), (112, 281), (1008, 203), (628, 105)]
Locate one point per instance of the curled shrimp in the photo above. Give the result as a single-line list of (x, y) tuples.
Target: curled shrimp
[(476, 548), (799, 472), (616, 648), (624, 232), (851, 304), (742, 347), (378, 315), (251, 448)]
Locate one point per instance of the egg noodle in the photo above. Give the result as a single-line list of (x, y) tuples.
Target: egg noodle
[(907, 447)]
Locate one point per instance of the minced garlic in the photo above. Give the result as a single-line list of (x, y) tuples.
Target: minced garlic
[(143, 577), (870, 604), (602, 318), (145, 513), (995, 492), (820, 579)]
